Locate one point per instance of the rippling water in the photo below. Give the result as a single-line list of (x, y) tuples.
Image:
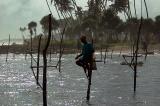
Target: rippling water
[(112, 83)]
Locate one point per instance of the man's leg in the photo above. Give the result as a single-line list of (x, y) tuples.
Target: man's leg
[(79, 63), (83, 65)]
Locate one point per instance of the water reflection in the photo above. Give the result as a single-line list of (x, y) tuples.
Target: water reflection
[(112, 84)]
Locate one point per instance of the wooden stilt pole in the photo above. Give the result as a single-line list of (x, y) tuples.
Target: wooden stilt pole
[(38, 58), (8, 48), (112, 54), (45, 64), (136, 51), (89, 83), (31, 51), (101, 53), (50, 55), (120, 52), (26, 50), (89, 76), (61, 51), (105, 56)]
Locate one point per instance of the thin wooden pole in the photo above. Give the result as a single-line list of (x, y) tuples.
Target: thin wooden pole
[(120, 52), (1, 47), (135, 12), (31, 51), (45, 64), (112, 54), (146, 8), (89, 82), (61, 51), (90, 75), (26, 50), (50, 54), (105, 56), (136, 51), (38, 57), (101, 53), (8, 48)]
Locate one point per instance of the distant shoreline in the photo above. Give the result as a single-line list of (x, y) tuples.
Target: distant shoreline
[(12, 41), (22, 49)]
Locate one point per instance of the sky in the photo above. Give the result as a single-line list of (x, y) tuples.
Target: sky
[(18, 13)]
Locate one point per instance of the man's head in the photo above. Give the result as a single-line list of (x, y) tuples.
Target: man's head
[(83, 39)]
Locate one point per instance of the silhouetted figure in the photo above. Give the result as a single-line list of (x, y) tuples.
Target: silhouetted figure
[(86, 57)]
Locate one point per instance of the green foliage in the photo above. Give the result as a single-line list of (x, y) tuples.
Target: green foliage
[(157, 24), (89, 22), (110, 20), (64, 5), (120, 5), (70, 44), (32, 24), (100, 20), (32, 27), (157, 19), (45, 23)]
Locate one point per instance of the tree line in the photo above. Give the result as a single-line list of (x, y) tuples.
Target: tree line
[(100, 20)]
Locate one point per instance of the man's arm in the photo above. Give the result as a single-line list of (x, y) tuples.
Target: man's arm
[(82, 53)]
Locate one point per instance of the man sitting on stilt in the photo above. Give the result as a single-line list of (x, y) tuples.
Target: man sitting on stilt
[(86, 57)]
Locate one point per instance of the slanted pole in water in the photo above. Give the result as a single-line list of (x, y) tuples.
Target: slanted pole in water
[(45, 64), (31, 50), (89, 76), (38, 58), (105, 55), (136, 55), (137, 48), (61, 49), (89, 82), (8, 48), (101, 53), (50, 55), (120, 52), (112, 54)]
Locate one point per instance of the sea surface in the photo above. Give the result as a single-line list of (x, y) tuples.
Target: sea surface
[(112, 83)]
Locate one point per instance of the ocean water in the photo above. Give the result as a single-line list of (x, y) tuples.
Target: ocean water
[(112, 83)]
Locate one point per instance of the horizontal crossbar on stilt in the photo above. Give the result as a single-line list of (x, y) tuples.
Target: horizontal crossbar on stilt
[(131, 56), (42, 66), (98, 60)]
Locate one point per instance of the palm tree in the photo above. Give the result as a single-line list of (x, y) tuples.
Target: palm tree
[(94, 6), (45, 24), (157, 27), (147, 32), (32, 27), (131, 27), (110, 23), (22, 32), (110, 19), (64, 5), (122, 6)]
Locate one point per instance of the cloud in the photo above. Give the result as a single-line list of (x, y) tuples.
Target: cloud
[(152, 5), (16, 13)]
